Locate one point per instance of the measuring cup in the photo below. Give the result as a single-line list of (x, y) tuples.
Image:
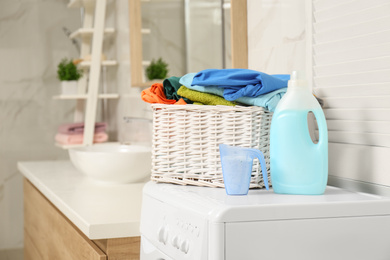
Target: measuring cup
[(237, 168)]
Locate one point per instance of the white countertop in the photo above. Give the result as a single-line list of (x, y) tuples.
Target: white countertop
[(99, 210)]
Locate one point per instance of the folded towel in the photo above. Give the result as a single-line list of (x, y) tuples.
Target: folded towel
[(171, 86), (155, 94), (207, 99), (78, 138), (269, 101), (240, 82), (78, 128)]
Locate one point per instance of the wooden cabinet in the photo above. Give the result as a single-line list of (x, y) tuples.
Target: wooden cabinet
[(48, 234)]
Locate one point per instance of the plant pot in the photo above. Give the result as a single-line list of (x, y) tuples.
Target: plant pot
[(69, 87)]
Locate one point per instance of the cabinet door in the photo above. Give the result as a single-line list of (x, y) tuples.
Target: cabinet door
[(50, 235)]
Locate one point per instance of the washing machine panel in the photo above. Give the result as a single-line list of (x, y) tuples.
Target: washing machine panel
[(358, 238), (198, 223), (179, 234), (150, 252)]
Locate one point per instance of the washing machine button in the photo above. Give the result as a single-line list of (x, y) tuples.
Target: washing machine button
[(185, 246), (162, 235), (175, 242)]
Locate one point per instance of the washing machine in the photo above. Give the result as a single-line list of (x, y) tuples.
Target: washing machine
[(191, 222)]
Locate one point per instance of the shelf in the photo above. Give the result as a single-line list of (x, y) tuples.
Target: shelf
[(92, 34), (146, 62), (100, 96), (103, 63), (88, 32), (67, 146), (145, 31), (108, 96)]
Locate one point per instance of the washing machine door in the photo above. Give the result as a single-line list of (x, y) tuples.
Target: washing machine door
[(150, 252)]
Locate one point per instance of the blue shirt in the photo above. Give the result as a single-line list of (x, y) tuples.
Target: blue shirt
[(240, 82)]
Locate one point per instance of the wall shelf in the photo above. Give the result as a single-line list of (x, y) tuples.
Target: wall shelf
[(85, 96), (92, 36), (88, 32), (106, 63), (146, 62), (68, 146), (145, 31)]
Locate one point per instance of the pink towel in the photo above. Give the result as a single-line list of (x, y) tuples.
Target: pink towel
[(78, 128), (78, 138)]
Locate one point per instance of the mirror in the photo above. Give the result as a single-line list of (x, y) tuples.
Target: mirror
[(189, 35)]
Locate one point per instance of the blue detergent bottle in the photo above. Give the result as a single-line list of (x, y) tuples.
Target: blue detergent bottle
[(298, 165)]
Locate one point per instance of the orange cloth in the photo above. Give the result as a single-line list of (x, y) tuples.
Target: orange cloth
[(181, 102), (155, 94)]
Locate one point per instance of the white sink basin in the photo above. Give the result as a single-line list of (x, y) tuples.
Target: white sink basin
[(113, 162)]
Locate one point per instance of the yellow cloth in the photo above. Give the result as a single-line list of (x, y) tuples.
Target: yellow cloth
[(204, 98)]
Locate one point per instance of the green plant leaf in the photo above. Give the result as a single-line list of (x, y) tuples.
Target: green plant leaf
[(157, 69), (67, 70)]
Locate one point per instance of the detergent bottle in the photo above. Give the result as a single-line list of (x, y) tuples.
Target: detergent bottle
[(298, 165)]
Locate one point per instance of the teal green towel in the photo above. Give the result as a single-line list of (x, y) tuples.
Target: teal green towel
[(205, 98), (171, 86)]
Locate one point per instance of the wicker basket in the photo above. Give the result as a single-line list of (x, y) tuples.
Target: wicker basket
[(186, 138)]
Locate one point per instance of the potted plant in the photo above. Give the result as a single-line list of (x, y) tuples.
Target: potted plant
[(68, 74), (157, 70)]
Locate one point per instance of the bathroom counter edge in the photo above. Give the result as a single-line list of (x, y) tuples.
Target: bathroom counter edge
[(99, 210)]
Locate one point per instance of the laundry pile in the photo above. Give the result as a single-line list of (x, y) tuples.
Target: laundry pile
[(227, 87), (73, 133)]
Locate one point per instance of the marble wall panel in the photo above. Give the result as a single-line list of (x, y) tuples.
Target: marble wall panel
[(276, 35), (32, 42)]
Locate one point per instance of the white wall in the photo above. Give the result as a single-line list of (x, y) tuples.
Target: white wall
[(279, 41)]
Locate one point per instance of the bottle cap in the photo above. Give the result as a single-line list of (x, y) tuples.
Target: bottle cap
[(297, 80)]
